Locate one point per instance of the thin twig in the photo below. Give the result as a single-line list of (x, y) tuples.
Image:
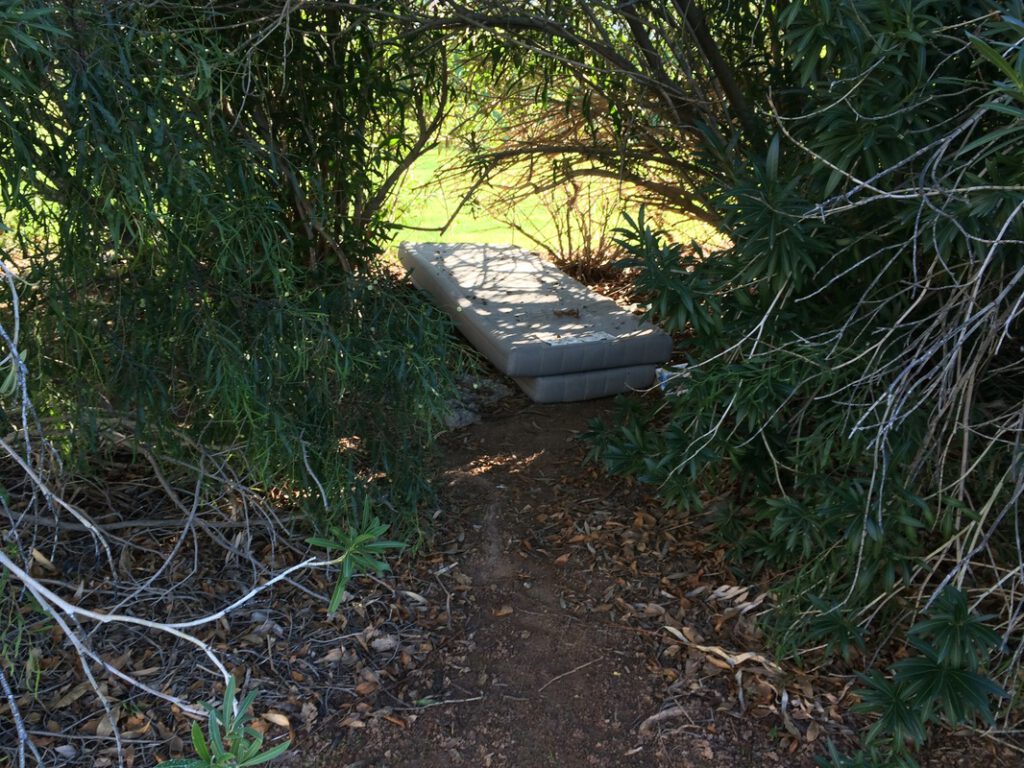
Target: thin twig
[(571, 671), (658, 717)]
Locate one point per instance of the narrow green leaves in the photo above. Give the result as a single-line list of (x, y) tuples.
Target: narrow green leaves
[(359, 548)]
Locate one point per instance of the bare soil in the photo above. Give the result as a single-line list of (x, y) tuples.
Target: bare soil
[(589, 628)]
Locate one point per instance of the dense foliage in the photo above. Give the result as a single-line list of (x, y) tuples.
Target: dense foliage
[(194, 200), (854, 380), (657, 97), (194, 207)]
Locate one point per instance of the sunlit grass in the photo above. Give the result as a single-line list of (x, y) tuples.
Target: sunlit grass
[(426, 204)]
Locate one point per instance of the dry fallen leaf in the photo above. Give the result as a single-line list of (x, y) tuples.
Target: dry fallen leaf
[(71, 696), (790, 726), (505, 610), (277, 718), (175, 745), (309, 713), (365, 688), (106, 725), (66, 751), (383, 644), (415, 596), (394, 720), (260, 726), (44, 561), (332, 655)]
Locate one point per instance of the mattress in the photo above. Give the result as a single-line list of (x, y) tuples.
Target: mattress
[(532, 321), (586, 385)]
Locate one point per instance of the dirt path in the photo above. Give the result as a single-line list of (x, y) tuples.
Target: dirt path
[(557, 653), (554, 689), (538, 672)]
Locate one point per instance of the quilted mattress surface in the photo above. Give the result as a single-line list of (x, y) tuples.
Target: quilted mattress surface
[(532, 320)]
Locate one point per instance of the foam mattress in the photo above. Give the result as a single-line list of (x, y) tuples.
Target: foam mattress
[(531, 320), (586, 385)]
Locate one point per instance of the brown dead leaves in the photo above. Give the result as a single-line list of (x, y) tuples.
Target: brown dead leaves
[(662, 579), (306, 668)]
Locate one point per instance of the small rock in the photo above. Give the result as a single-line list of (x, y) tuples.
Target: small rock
[(459, 417)]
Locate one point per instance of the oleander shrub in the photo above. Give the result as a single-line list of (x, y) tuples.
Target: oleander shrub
[(194, 201), (194, 307), (853, 371)]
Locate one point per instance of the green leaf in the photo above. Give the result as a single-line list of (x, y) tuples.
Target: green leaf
[(771, 163), (319, 541), (248, 745), (199, 743), (243, 709), (227, 710), (962, 694), (216, 740), (992, 56), (956, 636), (898, 715), (270, 754), (337, 595)]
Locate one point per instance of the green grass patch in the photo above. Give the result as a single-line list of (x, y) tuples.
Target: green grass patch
[(429, 198), (426, 204)]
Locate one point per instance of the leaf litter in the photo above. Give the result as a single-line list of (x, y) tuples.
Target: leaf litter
[(396, 656), (305, 665)]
